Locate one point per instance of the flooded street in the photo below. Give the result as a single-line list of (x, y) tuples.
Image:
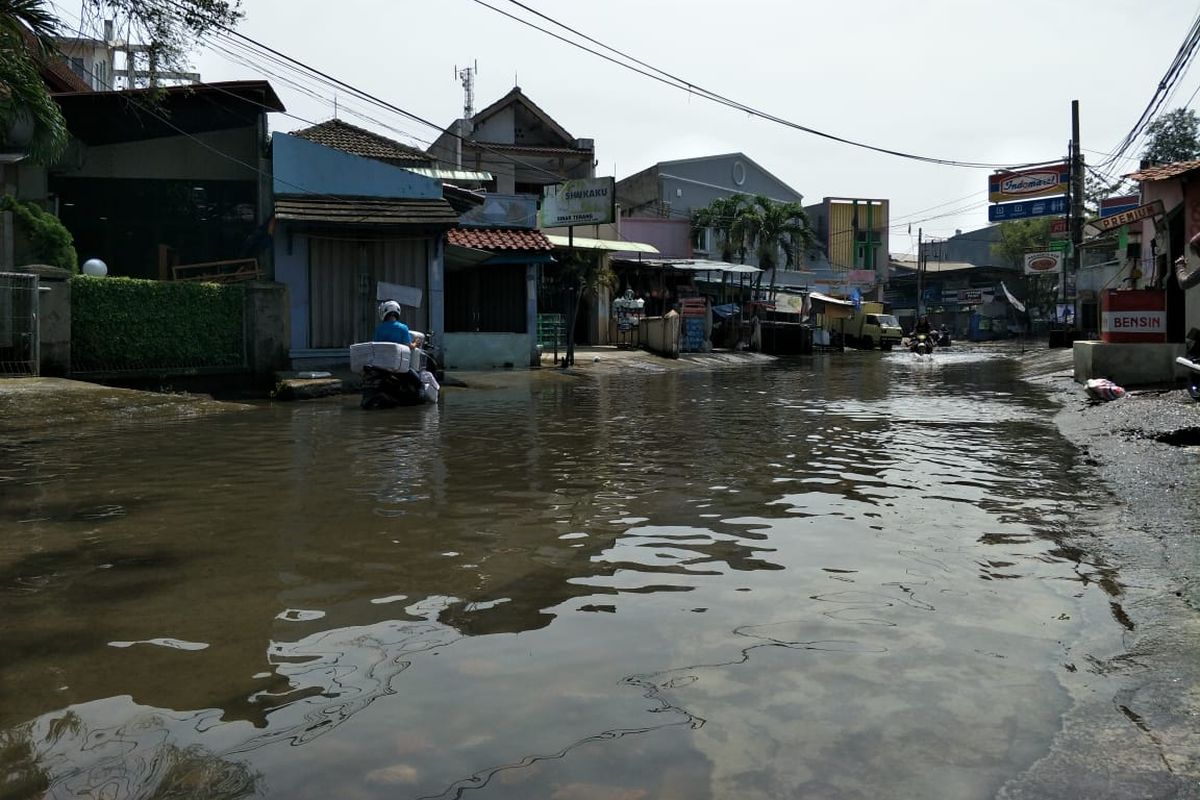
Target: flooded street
[(841, 577)]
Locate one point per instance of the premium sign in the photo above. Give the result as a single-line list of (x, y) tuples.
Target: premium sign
[(587, 201), (1138, 214), (1133, 322), (1047, 262), (1029, 183)]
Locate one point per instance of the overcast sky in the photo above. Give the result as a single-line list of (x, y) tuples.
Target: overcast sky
[(959, 79)]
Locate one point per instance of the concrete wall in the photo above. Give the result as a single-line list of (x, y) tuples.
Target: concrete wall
[(692, 184), (208, 156), (1128, 364), (291, 269), (487, 350), (660, 335), (268, 329), (302, 167), (672, 237)]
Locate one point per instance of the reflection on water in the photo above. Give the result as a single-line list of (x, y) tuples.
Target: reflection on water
[(839, 577)]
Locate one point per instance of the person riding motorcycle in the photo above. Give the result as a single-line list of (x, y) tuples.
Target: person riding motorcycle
[(923, 326), (390, 328)]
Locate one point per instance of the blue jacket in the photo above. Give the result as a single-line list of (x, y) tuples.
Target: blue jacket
[(392, 331)]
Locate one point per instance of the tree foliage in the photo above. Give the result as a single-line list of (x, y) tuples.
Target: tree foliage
[(1175, 136), (759, 224), (29, 117), (724, 217), (49, 240), (1020, 237)]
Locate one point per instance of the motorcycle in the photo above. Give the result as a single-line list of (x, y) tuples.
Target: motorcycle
[(942, 338), (921, 344), (1191, 360)]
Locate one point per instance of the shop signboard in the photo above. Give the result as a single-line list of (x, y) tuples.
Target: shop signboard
[(586, 201), (1060, 228), (1027, 209), (1043, 262), (970, 297), (1117, 205), (1029, 183), (1138, 214)]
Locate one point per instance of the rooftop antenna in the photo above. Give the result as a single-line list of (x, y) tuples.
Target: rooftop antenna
[(335, 108), (467, 76)]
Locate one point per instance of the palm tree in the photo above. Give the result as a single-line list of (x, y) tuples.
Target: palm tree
[(724, 215), (29, 117), (773, 228)]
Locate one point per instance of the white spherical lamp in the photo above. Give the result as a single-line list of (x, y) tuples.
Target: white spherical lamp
[(95, 267)]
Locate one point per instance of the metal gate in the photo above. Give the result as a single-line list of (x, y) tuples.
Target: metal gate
[(343, 275), (18, 325)]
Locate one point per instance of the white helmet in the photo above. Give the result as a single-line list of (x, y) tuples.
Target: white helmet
[(388, 307)]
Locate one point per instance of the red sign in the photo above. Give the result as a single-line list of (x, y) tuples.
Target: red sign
[(1138, 315), (1029, 183), (1060, 227)]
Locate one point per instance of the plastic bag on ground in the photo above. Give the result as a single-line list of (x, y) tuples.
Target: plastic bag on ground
[(1103, 389)]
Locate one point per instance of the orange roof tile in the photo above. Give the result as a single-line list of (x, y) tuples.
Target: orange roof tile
[(1160, 172), (498, 239)]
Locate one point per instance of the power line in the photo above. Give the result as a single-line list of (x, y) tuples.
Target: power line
[(673, 81)]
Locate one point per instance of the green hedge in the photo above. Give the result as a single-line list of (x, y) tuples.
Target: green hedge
[(49, 241), (120, 324)]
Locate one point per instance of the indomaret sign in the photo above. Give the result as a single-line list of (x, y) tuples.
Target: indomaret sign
[(586, 201), (1029, 183)]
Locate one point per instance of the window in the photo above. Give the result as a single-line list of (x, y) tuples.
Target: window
[(77, 67), (700, 240)]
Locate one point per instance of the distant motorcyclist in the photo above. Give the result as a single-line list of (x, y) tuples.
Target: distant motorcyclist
[(923, 326)]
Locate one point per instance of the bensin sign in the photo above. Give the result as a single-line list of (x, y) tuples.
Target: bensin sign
[(587, 201), (1029, 183), (1133, 322), (1043, 263)]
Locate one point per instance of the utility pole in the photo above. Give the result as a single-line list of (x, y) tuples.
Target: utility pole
[(920, 264), (1077, 189)]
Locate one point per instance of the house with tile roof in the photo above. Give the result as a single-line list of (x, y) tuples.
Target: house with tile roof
[(348, 231), (523, 147), (341, 135), (1170, 239)]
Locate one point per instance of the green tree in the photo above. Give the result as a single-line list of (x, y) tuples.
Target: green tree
[(775, 229), (1018, 238), (29, 117), (1175, 136), (723, 215)]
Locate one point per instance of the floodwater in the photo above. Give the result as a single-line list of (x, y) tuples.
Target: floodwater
[(842, 577)]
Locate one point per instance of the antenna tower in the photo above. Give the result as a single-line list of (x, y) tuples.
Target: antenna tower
[(467, 76)]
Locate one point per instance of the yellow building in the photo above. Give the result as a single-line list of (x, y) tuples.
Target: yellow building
[(853, 233)]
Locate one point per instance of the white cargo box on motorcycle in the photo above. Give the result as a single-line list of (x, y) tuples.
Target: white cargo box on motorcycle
[(381, 355)]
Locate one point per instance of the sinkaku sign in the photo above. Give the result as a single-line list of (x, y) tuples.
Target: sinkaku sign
[(587, 201)]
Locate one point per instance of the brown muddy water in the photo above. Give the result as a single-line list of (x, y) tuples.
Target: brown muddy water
[(842, 577)]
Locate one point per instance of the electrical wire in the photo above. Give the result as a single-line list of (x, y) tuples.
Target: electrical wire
[(666, 78)]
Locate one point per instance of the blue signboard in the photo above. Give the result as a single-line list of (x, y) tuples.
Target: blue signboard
[(1046, 207), (1112, 206)]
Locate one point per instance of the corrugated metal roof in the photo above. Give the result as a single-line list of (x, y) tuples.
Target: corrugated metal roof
[(824, 298), (1161, 172), (616, 246), (441, 174), (365, 211), (498, 239), (695, 265)]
